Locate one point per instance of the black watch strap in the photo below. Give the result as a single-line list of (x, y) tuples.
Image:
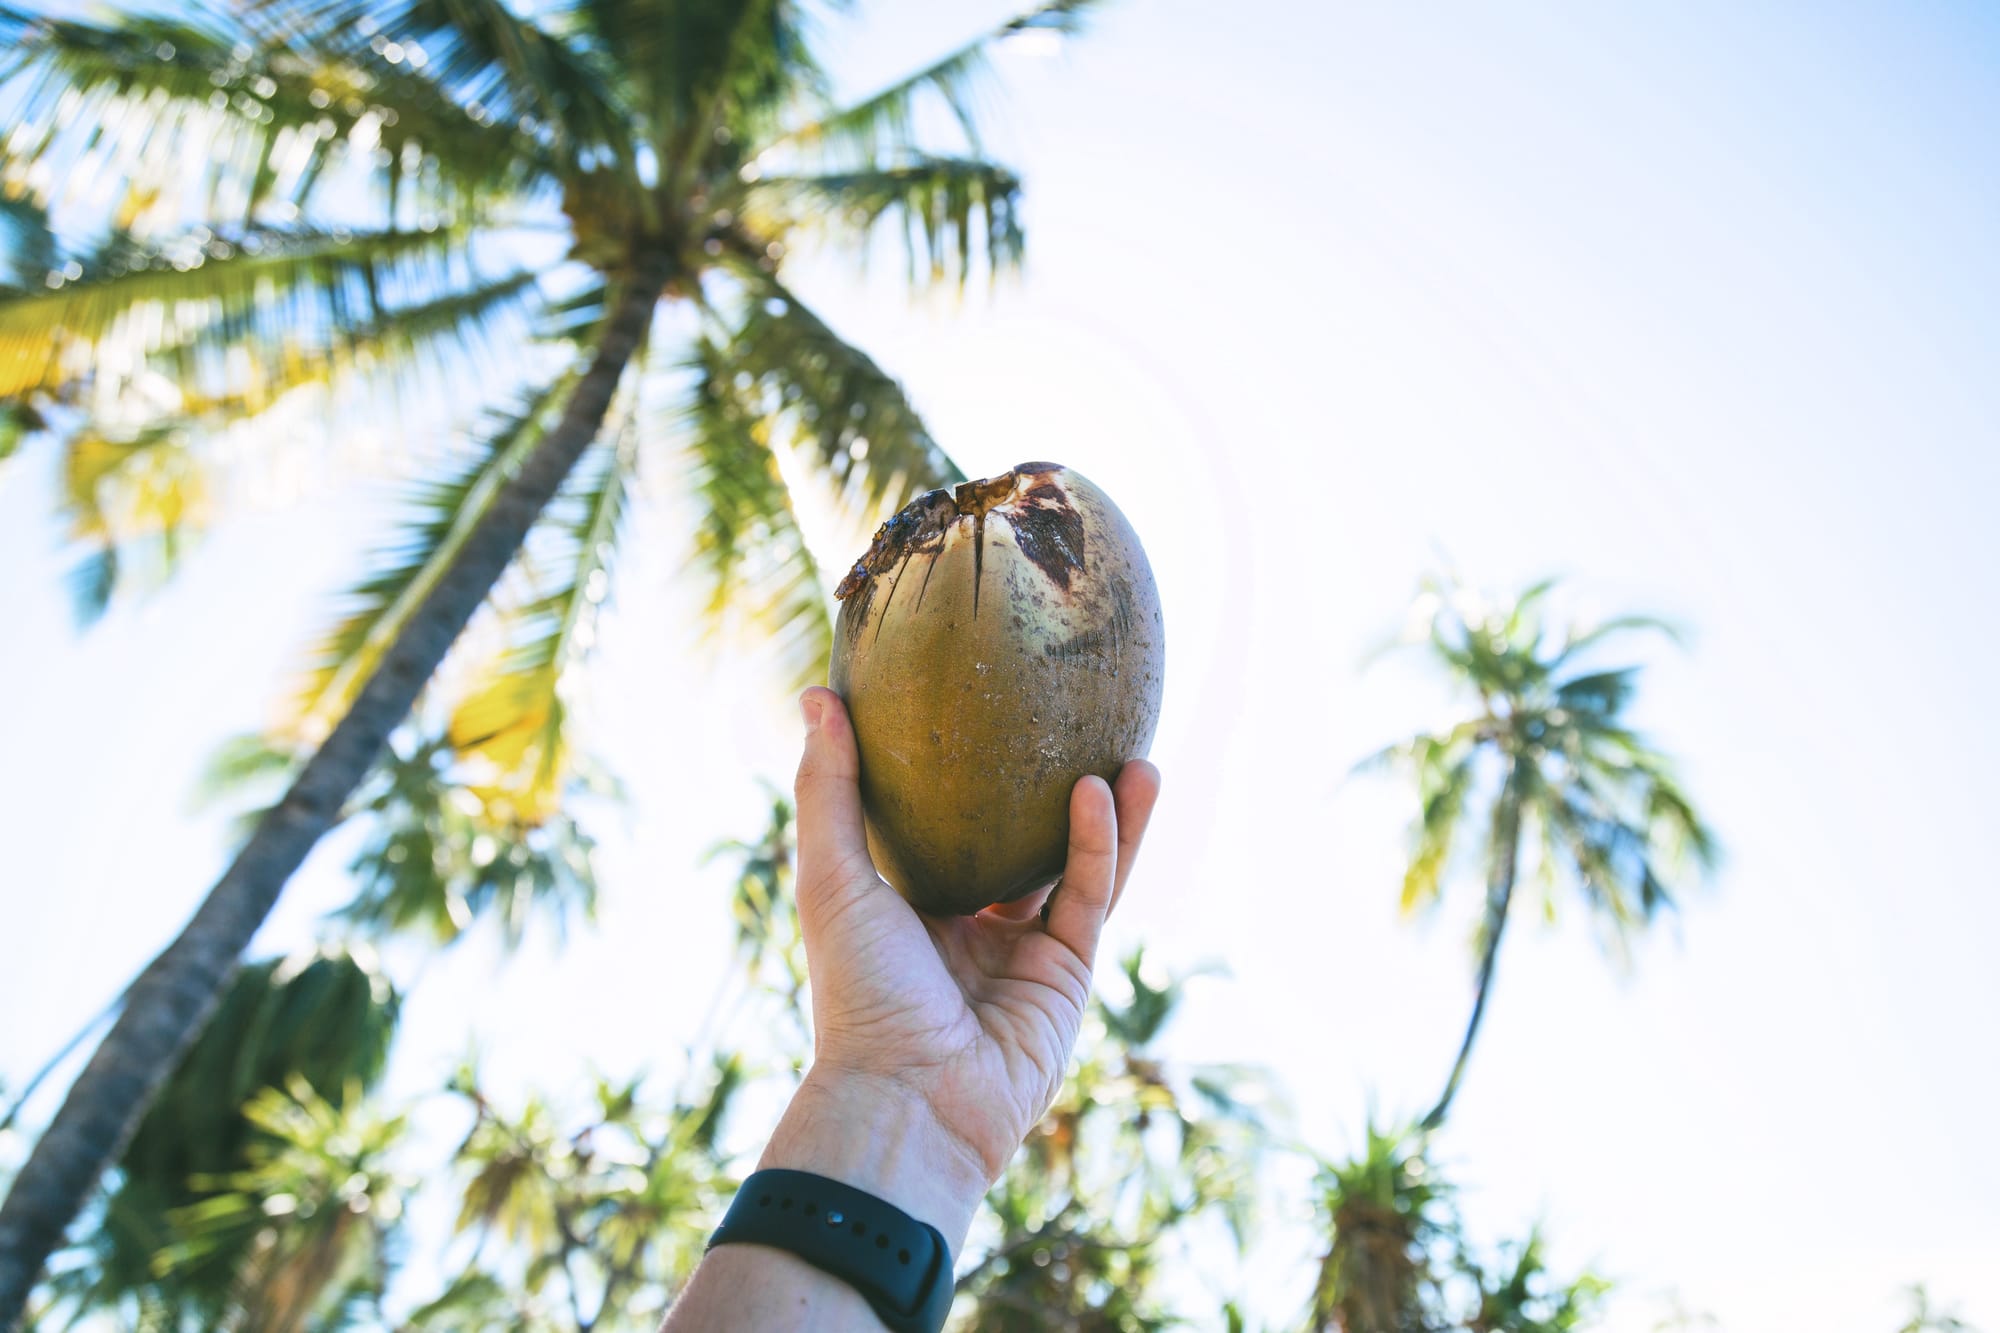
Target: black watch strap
[(900, 1265)]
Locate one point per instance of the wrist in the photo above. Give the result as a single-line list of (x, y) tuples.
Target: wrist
[(880, 1137)]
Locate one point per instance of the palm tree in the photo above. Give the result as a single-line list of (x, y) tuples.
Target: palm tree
[(314, 191), (1545, 772), (311, 1215), (1385, 1216), (180, 1235), (601, 1217), (1398, 1259)]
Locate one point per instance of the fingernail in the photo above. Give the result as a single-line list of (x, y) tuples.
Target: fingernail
[(810, 705)]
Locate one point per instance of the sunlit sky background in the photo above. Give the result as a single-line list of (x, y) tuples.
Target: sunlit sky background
[(1692, 303)]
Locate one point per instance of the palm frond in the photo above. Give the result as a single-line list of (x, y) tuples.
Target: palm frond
[(1444, 784), (439, 857), (509, 1186), (1676, 831), (456, 320), (502, 65), (1524, 1297), (1601, 694), (1523, 625), (1581, 639), (309, 1213), (1444, 768), (324, 1021), (28, 249), (885, 121), (137, 501), (472, 1302), (429, 336), (748, 541), (853, 416), (18, 420), (271, 290), (944, 207), (714, 75), (1612, 858), (268, 120), (140, 498), (1641, 785), (510, 725), (446, 513)]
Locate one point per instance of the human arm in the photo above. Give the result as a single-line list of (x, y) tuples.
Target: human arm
[(940, 1041)]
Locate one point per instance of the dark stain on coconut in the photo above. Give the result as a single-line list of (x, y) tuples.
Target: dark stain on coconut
[(1049, 532)]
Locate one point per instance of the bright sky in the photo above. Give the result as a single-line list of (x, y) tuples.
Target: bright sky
[(1693, 303)]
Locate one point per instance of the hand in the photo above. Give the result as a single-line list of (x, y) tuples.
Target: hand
[(940, 1040)]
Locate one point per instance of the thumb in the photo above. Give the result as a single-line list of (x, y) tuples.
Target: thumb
[(833, 850)]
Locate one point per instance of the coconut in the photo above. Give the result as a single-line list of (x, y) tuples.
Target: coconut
[(997, 642)]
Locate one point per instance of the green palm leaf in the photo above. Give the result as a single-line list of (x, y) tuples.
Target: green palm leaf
[(854, 417), (1384, 1211), (135, 501), (716, 74), (447, 512), (28, 249), (510, 721), (945, 207), (139, 499), (749, 542), (444, 851), (276, 290), (323, 1022), (1583, 638), (167, 91), (508, 66), (304, 1223)]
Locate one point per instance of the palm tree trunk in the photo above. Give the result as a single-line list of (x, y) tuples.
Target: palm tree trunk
[(1499, 896), (171, 1000)]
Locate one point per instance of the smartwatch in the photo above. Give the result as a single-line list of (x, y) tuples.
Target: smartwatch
[(901, 1266)]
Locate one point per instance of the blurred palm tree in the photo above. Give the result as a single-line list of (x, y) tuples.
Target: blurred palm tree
[(319, 192), (1136, 1170), (1398, 1260), (1925, 1318), (309, 1219), (1519, 1295), (590, 1222), (1385, 1218), (1546, 774), (182, 1239)]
